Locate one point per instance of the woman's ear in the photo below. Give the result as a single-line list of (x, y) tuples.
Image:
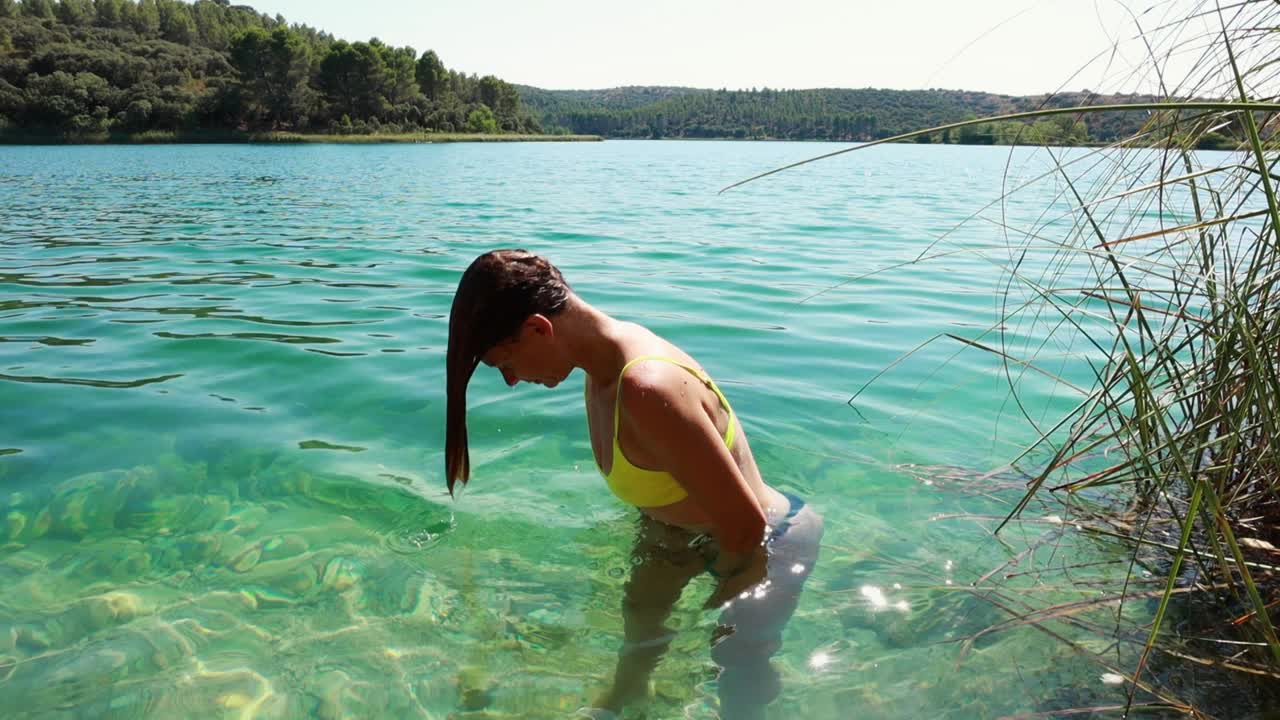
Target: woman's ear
[(540, 324)]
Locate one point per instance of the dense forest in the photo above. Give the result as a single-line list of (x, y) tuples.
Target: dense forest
[(828, 114), (131, 66), (111, 68)]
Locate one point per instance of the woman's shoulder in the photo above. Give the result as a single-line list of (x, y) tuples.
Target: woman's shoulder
[(659, 377)]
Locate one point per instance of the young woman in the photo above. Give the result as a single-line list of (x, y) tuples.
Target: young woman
[(667, 441)]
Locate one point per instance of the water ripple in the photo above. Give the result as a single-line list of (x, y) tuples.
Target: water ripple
[(89, 382)]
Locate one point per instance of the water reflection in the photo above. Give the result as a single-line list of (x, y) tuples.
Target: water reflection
[(51, 341), (90, 382), (322, 445), (272, 337)]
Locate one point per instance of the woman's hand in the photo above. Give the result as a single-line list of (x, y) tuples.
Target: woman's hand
[(750, 571)]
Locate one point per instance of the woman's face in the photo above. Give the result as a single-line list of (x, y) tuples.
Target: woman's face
[(530, 356)]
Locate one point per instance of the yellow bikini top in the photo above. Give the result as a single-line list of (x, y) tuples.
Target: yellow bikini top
[(652, 488)]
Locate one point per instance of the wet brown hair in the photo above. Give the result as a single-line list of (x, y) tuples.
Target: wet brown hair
[(496, 294)]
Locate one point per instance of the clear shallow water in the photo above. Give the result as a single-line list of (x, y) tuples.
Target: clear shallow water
[(221, 422)]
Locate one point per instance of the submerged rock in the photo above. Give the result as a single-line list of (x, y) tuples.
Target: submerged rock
[(116, 559), (277, 481), (72, 514), (15, 522), (300, 581), (21, 517), (475, 688), (340, 574), (199, 548), (247, 560), (340, 696), (213, 510), (24, 577), (113, 608), (330, 694), (432, 600), (229, 548), (132, 565), (90, 503), (39, 526), (82, 619), (243, 520), (284, 546), (33, 637), (239, 693), (398, 587), (268, 598), (144, 509)]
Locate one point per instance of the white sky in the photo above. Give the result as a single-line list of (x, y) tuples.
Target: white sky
[(1006, 46)]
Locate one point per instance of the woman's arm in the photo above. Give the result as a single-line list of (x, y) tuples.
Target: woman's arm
[(665, 414)]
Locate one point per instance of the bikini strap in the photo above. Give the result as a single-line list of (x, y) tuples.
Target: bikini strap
[(706, 380)]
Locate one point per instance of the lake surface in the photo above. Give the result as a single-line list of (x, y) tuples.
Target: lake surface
[(222, 410)]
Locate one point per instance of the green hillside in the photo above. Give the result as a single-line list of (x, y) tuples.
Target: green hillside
[(84, 67), (139, 68), (823, 114), (619, 98)]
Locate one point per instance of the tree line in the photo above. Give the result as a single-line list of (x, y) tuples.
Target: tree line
[(132, 66), (823, 114), (94, 66)]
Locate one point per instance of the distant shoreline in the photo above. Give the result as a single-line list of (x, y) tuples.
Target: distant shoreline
[(155, 137), (210, 137)]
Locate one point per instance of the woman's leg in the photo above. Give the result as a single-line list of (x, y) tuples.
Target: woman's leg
[(750, 629), (663, 562)]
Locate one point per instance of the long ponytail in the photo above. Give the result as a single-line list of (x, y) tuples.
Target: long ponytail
[(497, 293)]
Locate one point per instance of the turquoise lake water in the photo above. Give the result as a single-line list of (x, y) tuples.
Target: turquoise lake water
[(222, 407)]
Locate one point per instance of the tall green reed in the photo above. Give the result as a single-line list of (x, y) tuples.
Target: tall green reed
[(1165, 261)]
